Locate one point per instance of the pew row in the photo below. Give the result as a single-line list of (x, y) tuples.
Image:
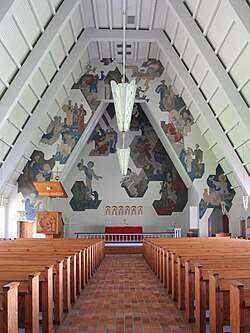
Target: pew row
[(239, 307), (183, 267), (72, 264), (9, 307)]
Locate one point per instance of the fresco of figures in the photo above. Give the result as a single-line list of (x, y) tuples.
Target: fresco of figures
[(178, 126), (192, 159), (218, 194), (93, 86), (65, 133), (149, 155), (104, 137), (84, 196), (38, 168)]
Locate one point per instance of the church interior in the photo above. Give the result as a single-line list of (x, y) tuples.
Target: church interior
[(117, 223)]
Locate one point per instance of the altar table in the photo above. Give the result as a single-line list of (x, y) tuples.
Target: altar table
[(123, 233)]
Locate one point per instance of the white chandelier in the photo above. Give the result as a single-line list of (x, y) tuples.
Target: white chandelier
[(245, 201), (123, 158), (124, 97)]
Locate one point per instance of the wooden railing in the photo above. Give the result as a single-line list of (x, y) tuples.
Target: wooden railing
[(131, 237)]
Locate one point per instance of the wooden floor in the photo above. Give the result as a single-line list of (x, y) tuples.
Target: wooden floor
[(124, 296)]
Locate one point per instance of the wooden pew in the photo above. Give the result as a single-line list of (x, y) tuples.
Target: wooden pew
[(46, 289), (9, 307), (28, 299), (86, 259), (163, 258), (219, 303), (239, 307), (187, 294)]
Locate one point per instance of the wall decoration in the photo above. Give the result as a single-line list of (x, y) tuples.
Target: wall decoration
[(135, 185), (93, 86), (192, 161), (168, 99), (140, 210), (149, 70), (121, 210), (53, 131), (149, 155), (219, 190), (81, 200), (178, 126), (133, 210), (127, 210), (114, 210), (65, 134), (173, 195), (104, 140), (124, 210), (84, 197), (38, 168), (107, 210)]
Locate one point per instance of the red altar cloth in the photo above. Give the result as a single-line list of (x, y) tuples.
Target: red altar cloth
[(123, 232)]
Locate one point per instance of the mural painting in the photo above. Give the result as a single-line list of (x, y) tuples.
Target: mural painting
[(84, 197), (148, 71), (192, 161), (36, 169), (173, 194), (135, 185), (168, 99), (149, 155), (218, 193), (105, 140), (93, 86), (178, 126), (65, 133)]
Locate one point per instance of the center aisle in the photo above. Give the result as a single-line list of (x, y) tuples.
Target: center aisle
[(124, 296)]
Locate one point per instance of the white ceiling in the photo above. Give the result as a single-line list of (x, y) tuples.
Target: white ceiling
[(204, 45)]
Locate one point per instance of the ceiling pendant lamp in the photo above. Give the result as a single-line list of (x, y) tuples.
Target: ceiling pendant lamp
[(245, 201), (123, 93), (123, 159), (124, 97)]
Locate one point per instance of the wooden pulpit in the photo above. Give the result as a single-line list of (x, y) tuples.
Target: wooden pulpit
[(50, 224)]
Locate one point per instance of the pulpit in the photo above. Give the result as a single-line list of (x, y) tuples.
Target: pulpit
[(50, 224)]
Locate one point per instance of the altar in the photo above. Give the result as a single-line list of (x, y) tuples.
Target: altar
[(123, 233)]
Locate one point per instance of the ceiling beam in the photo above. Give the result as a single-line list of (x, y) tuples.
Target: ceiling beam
[(35, 59), (212, 61), (7, 9), (49, 96), (205, 110), (240, 13)]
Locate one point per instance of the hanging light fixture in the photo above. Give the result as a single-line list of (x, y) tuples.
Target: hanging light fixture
[(245, 201), (123, 93), (123, 157), (124, 97)]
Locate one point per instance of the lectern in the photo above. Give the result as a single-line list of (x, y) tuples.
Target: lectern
[(50, 224)]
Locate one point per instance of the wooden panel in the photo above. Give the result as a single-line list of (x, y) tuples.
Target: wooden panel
[(26, 229), (123, 249)]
